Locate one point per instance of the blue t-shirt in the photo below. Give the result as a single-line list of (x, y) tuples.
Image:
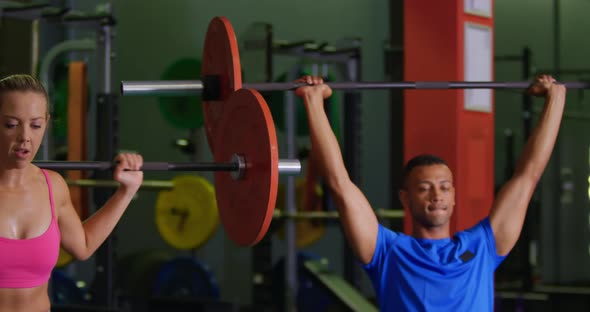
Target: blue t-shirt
[(450, 274)]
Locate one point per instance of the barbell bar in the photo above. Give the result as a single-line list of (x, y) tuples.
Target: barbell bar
[(304, 215), (145, 184), (210, 86), (238, 166)]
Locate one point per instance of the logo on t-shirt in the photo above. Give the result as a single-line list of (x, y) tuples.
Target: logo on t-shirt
[(466, 256)]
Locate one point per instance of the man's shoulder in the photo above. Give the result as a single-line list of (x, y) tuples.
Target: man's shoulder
[(479, 229), (479, 236)]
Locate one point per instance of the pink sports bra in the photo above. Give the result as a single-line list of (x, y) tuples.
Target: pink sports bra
[(27, 263)]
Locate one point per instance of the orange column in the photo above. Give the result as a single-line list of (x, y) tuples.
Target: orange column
[(77, 107), (441, 122)]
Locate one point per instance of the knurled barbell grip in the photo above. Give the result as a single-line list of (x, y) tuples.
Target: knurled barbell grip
[(155, 166), (432, 85)]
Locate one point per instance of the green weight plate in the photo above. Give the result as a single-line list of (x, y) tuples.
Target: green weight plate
[(183, 112)]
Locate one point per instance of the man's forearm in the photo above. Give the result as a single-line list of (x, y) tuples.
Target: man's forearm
[(539, 146), (327, 153)]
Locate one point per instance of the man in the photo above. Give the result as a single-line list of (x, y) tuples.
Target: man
[(430, 270)]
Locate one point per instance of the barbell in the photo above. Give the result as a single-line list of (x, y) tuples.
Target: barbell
[(214, 84)]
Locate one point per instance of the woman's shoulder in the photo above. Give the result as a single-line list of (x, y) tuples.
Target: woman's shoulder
[(56, 180)]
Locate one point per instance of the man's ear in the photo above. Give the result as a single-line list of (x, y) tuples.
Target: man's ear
[(403, 198)]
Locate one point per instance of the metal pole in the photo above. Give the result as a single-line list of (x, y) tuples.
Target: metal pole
[(352, 155), (556, 36), (291, 263), (107, 58), (527, 108), (107, 145)]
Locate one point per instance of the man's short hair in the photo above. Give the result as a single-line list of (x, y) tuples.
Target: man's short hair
[(418, 161)]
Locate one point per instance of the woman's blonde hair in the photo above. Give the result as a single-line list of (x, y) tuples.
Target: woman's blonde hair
[(22, 82)]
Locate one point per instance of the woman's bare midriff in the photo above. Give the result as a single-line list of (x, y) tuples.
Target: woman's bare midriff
[(25, 299)]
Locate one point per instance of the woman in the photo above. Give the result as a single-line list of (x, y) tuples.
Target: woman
[(36, 212)]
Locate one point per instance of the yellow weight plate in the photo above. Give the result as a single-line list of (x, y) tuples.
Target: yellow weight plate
[(64, 258), (308, 231), (187, 215)]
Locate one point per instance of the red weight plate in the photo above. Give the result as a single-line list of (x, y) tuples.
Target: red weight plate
[(221, 58), (246, 205)]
